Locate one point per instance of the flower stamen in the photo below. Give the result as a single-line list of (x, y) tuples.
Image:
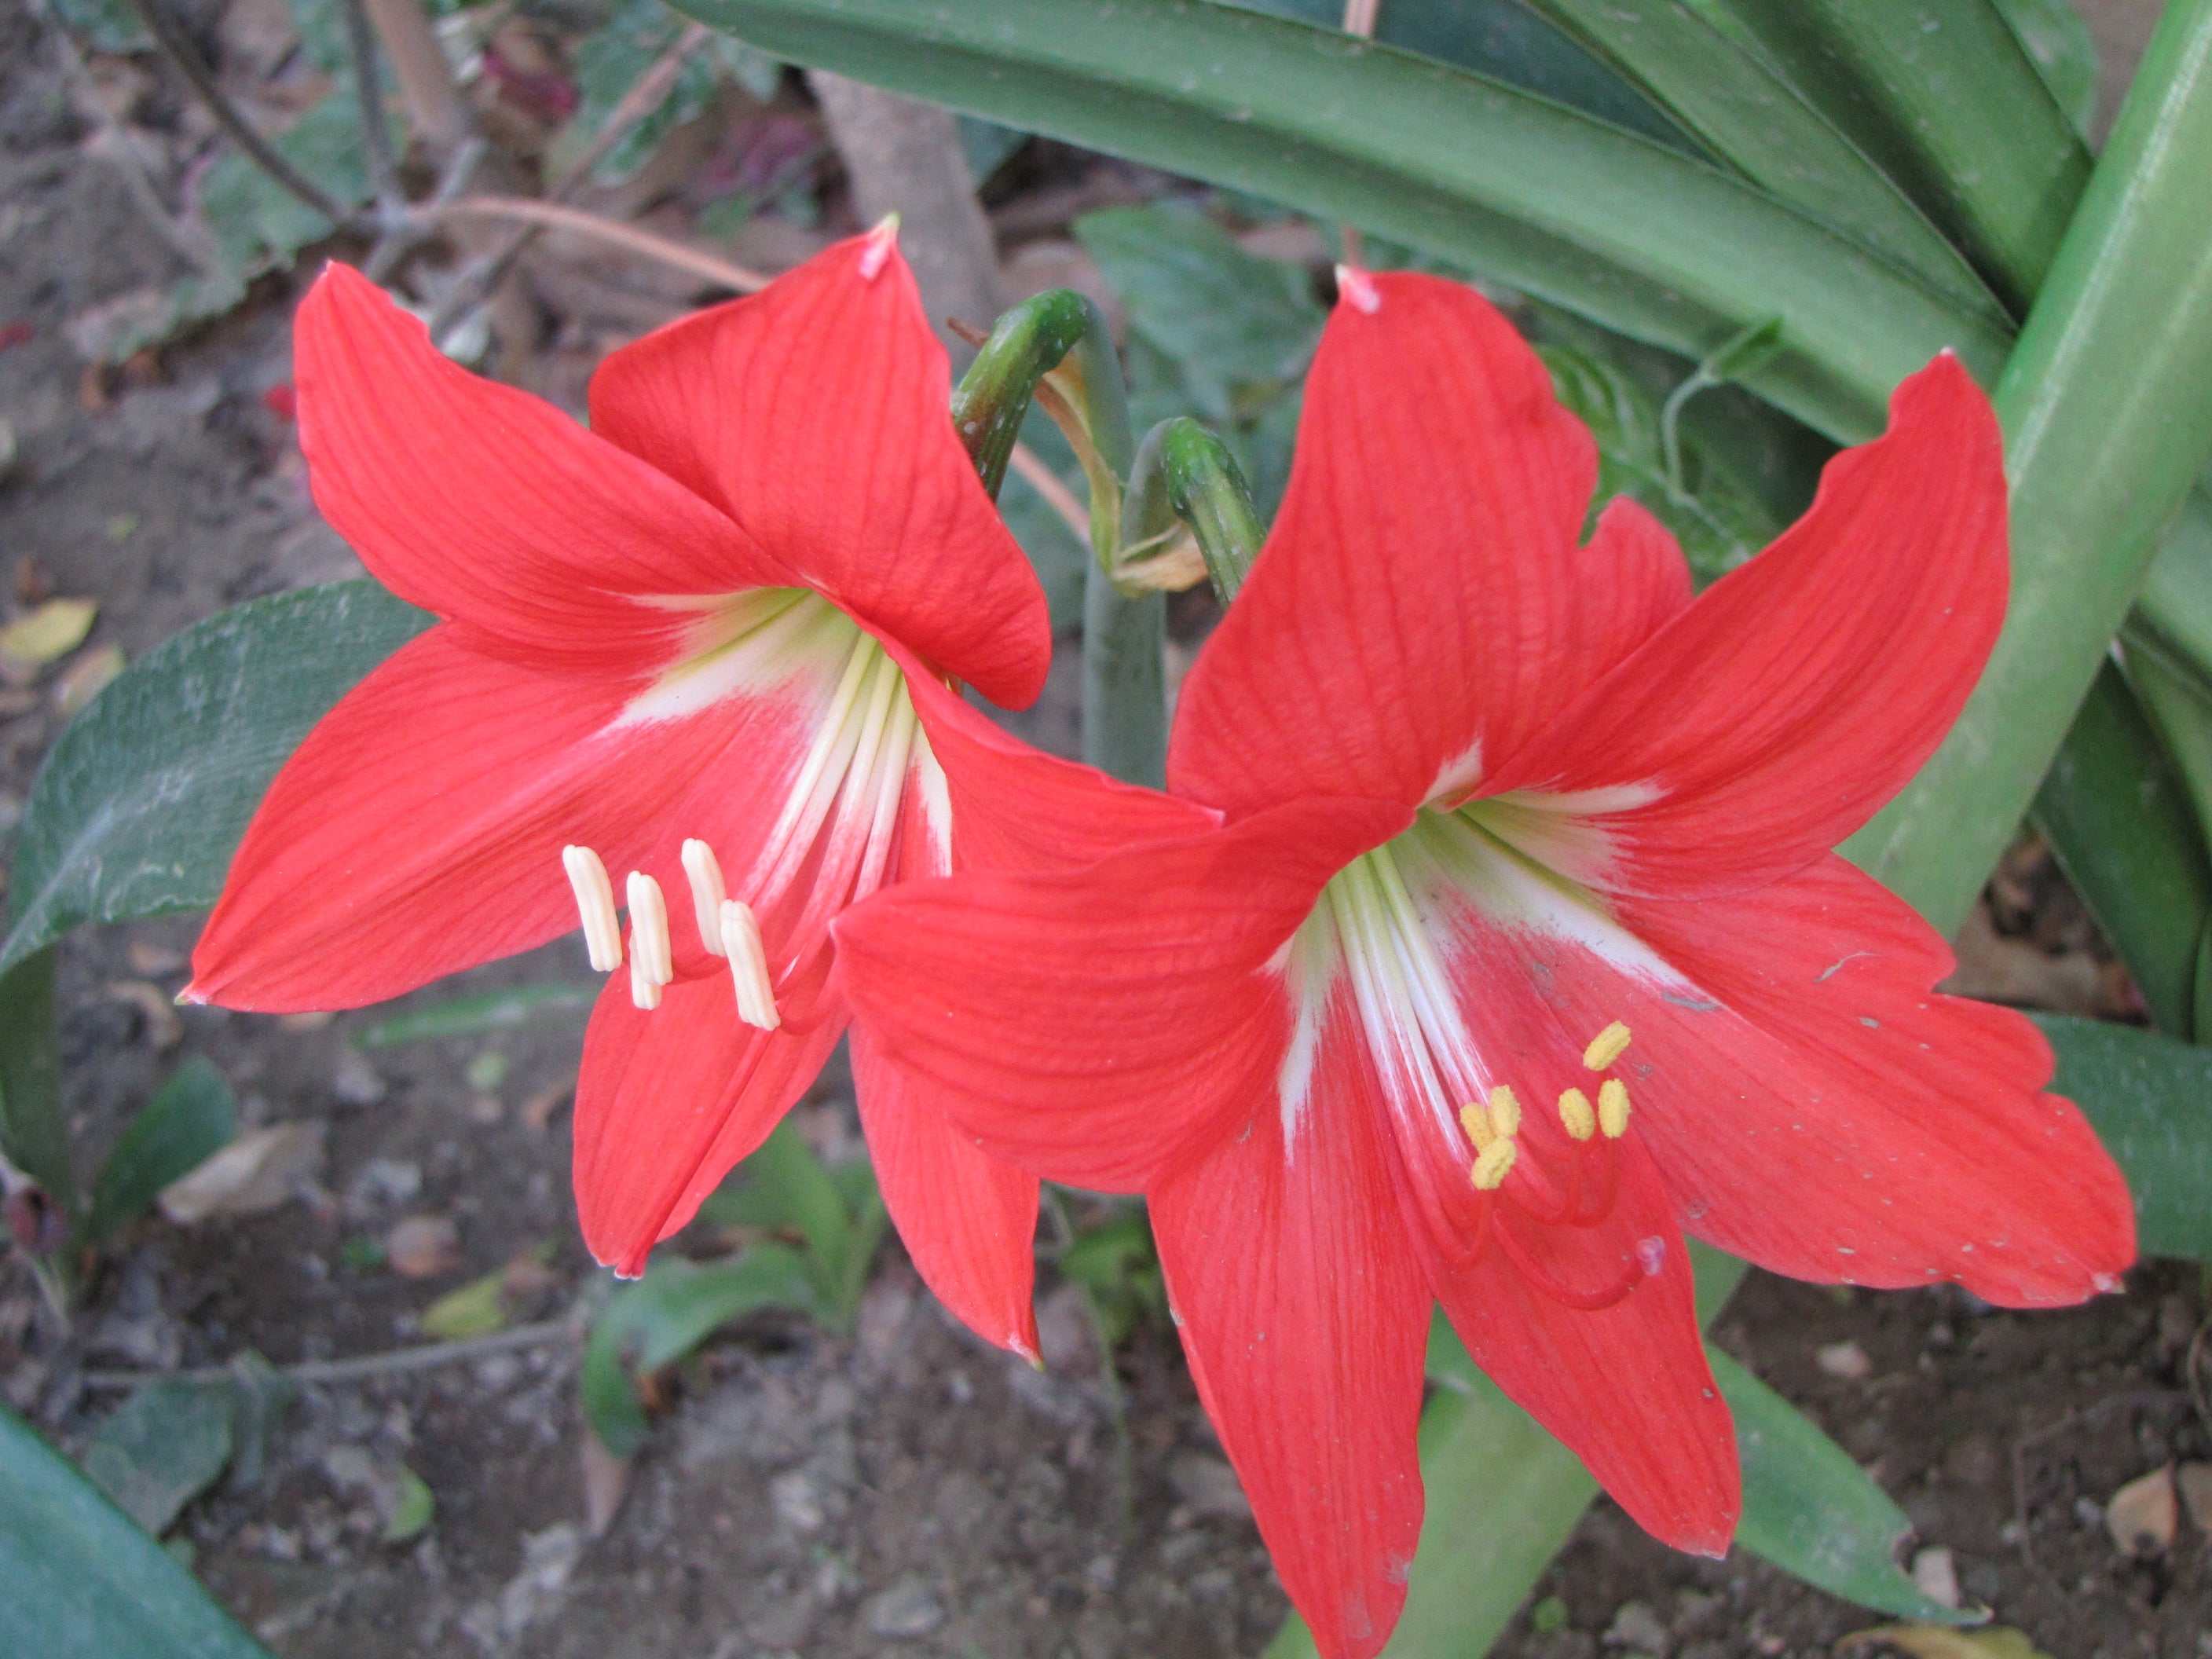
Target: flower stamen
[(652, 955), (705, 874), (1613, 1108), (738, 933), (595, 903), (1606, 1046), (1576, 1115)]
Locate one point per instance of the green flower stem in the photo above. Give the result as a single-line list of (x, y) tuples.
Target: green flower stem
[(1196, 476), (994, 394), (2108, 405)]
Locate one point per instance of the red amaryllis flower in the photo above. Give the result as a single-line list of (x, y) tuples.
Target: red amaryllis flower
[(698, 645), (1523, 952)]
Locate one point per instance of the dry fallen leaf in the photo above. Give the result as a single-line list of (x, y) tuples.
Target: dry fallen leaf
[(606, 1480), (47, 631), (2142, 1514), (2194, 1481), (258, 1172), (538, 1111), (423, 1247), (85, 678), (164, 1029), (1940, 1642)]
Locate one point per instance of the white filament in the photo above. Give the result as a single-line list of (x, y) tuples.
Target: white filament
[(739, 936), (652, 956), (595, 903), (705, 875)]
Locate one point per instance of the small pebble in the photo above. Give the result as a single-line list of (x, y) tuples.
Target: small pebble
[(1844, 1360)]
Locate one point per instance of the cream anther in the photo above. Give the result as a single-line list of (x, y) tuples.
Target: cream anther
[(652, 956), (1356, 287), (1495, 1163), (705, 875), (881, 240), (1505, 1112), (1606, 1046), (1476, 1122), (1576, 1115), (741, 943), (595, 903), (1613, 1109)]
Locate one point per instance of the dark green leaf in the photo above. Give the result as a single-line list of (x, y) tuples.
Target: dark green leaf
[(1811, 1510), (2107, 403), (2058, 43), (259, 225), (190, 1118), (988, 146), (1941, 95), (1636, 234), (610, 63), (32, 1132), (412, 1508), (2121, 824), (1731, 97), (82, 1583), (143, 799), (665, 1314), (473, 1016), (108, 25), (161, 1447), (259, 1395), (784, 1188), (2150, 1098)]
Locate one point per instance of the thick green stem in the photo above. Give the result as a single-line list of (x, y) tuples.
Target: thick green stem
[(1183, 467), (994, 395), (2107, 406)]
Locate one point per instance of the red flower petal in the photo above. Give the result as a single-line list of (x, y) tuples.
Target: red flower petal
[(1836, 1121), (969, 1220), (418, 829), (1421, 597), (1305, 1320), (1772, 717), (815, 414), (1625, 1388), (1016, 808), (668, 1101), (493, 508), (1095, 1024)]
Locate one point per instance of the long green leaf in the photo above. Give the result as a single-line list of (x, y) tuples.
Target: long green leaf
[(2108, 405), (32, 1132), (1812, 1511), (141, 801), (82, 1582), (2150, 1099), (190, 1118), (473, 1016), (2122, 828), (1742, 108), (1622, 229), (1941, 95)]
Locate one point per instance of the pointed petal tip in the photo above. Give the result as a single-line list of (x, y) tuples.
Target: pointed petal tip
[(1357, 287), (877, 247)]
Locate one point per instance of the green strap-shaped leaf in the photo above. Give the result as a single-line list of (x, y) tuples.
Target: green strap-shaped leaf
[(474, 1016), (190, 1118), (2150, 1098), (1626, 230), (32, 1132), (141, 801), (2107, 411), (1735, 101), (2120, 823), (1943, 97), (82, 1581)]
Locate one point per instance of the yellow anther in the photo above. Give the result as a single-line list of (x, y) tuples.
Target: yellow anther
[(1613, 1108), (1575, 1112), (1495, 1163), (1606, 1046), (1476, 1122), (1505, 1112)]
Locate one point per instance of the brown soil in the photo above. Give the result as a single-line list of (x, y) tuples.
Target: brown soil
[(900, 1490)]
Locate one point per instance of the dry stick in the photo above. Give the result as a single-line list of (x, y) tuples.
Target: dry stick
[(186, 58), (641, 100), (426, 86), (737, 278), (368, 100), (363, 1367), (1359, 20)]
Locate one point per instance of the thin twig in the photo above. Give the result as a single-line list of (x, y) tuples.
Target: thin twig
[(375, 136), (418, 222), (186, 58), (1057, 495), (363, 1367), (482, 275)]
